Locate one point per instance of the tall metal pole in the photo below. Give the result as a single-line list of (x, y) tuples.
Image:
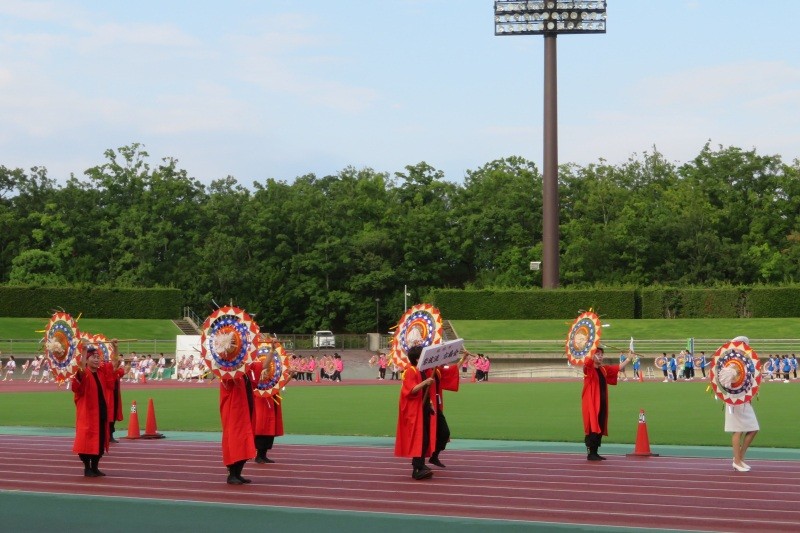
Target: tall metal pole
[(405, 298), (377, 315), (550, 248)]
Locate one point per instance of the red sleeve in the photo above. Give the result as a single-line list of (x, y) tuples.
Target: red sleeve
[(450, 378)]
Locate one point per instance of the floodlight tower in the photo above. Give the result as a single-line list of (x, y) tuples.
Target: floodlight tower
[(549, 18)]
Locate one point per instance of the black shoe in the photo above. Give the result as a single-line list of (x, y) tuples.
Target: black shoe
[(422, 473), (268, 460), (88, 472), (593, 457), (233, 480), (98, 473), (601, 457), (114, 441), (261, 460), (244, 480), (436, 461)]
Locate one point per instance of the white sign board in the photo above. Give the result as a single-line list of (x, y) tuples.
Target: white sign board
[(440, 354)]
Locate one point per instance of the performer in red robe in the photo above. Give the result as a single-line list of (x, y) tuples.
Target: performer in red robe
[(114, 393), (267, 416), (89, 386), (415, 425), (594, 399), (444, 378), (236, 411)]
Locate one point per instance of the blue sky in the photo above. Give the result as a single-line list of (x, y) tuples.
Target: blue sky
[(278, 89)]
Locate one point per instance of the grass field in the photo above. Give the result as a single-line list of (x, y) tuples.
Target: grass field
[(677, 413), (22, 335), (651, 336)]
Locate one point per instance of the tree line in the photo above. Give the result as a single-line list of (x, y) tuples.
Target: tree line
[(335, 252)]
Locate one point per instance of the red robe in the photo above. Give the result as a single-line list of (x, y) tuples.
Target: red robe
[(267, 415), (237, 422), (88, 429), (114, 393), (590, 397), (408, 441), (449, 379)]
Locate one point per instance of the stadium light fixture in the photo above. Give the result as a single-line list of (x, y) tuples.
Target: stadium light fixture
[(549, 18)]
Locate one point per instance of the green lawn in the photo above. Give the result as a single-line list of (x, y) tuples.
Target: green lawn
[(651, 336), (677, 413), (22, 335), (622, 330)]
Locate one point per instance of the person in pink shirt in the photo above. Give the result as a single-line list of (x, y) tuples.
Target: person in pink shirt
[(311, 365), (382, 366), (338, 366)]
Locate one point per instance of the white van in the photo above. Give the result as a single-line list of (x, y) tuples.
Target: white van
[(324, 339)]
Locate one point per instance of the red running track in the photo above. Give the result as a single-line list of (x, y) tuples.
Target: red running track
[(666, 492)]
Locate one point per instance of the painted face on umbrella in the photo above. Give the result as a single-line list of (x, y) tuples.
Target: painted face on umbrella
[(580, 339)]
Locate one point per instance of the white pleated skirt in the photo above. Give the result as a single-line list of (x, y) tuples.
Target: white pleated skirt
[(740, 418)]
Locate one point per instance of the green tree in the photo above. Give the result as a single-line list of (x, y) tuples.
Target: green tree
[(36, 267)]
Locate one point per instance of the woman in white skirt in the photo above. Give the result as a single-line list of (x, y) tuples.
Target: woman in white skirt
[(741, 421)]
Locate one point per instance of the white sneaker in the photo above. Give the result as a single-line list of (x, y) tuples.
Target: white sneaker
[(665, 381)]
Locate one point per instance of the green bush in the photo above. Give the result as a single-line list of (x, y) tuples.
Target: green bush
[(36, 302), (773, 302), (532, 304)]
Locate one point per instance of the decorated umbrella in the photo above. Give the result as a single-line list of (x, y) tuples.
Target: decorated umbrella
[(228, 341), (101, 342), (659, 362), (328, 364), (400, 360), (735, 375), (583, 338), (420, 325), (61, 346), (275, 372)]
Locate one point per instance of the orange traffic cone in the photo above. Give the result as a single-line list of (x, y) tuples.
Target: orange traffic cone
[(317, 378), (150, 431), (133, 423), (641, 376), (473, 377), (642, 448)]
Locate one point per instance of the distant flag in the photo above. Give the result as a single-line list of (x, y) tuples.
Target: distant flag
[(630, 346), (690, 345)]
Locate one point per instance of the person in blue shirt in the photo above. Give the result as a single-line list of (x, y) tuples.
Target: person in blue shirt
[(623, 372), (793, 362), (664, 367), (703, 363), (637, 362), (786, 366), (673, 367), (688, 366)]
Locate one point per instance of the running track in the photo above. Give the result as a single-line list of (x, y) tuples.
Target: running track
[(700, 494)]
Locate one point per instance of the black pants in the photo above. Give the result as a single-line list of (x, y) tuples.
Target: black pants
[(593, 441), (264, 443), (442, 433), (90, 462), (419, 462)]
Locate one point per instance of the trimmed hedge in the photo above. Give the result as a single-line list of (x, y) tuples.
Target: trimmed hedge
[(649, 302), (774, 302), (92, 302), (691, 303), (533, 304)]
